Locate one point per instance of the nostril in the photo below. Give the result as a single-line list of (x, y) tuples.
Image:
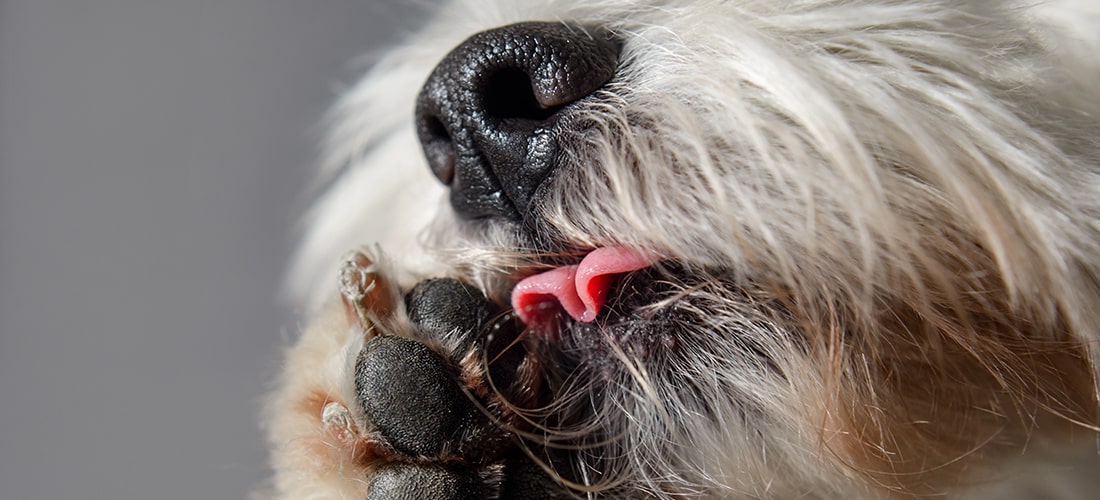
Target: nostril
[(509, 94), (494, 114), (439, 148)]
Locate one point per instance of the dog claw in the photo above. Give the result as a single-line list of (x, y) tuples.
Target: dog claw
[(337, 421), (364, 291)]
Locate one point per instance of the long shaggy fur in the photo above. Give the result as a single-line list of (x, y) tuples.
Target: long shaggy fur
[(881, 224)]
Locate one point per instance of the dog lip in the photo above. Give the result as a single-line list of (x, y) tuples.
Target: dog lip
[(579, 289)]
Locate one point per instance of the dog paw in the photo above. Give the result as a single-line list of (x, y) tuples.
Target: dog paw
[(413, 398), (439, 392)]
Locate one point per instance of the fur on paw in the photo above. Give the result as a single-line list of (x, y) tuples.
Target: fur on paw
[(428, 400)]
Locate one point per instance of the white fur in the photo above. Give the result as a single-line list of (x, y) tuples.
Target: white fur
[(937, 157)]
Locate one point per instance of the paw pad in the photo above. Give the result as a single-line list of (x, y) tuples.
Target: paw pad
[(419, 482), (441, 400), (411, 397)]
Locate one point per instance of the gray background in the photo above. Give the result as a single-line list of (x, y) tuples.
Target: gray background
[(152, 154)]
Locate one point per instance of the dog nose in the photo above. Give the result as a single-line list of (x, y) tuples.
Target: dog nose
[(490, 116)]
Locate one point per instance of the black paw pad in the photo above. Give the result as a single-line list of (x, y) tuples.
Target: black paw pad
[(443, 400), (462, 319), (410, 395), (449, 310), (420, 482)]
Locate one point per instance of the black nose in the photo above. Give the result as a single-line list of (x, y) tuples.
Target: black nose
[(490, 116)]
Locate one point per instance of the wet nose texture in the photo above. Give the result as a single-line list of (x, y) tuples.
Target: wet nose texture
[(491, 116)]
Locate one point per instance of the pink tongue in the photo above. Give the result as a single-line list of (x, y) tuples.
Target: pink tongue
[(580, 290)]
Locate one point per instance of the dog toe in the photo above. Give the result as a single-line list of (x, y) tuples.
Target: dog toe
[(425, 481), (448, 310), (410, 395), (444, 400)]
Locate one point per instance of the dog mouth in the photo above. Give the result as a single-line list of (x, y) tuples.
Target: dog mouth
[(615, 299), (577, 290)]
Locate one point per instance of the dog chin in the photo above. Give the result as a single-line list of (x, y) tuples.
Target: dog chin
[(719, 249)]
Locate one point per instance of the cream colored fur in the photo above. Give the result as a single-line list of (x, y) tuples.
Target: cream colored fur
[(898, 202)]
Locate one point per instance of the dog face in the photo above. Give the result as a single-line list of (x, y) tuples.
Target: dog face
[(715, 249)]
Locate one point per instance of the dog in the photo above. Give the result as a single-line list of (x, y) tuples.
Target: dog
[(706, 249)]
